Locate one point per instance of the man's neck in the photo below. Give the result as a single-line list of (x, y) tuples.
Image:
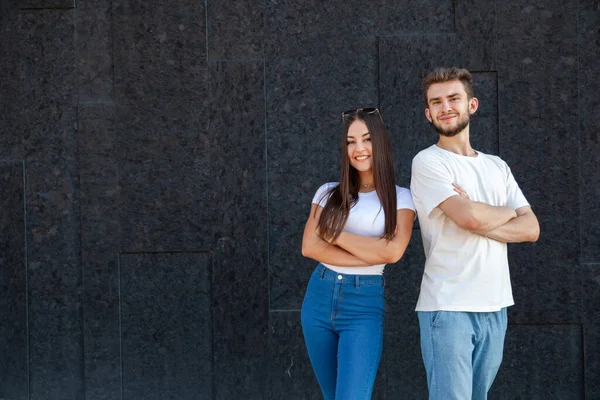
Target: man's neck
[(458, 144)]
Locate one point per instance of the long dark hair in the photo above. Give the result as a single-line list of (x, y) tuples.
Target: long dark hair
[(344, 196)]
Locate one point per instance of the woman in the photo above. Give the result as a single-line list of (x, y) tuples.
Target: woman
[(354, 229)]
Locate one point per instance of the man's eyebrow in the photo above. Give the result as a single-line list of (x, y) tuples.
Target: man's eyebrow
[(450, 95)]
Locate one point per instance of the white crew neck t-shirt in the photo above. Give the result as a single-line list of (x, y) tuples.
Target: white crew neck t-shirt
[(463, 271), (366, 218)]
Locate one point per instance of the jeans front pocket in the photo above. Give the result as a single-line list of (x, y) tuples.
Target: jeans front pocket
[(436, 319)]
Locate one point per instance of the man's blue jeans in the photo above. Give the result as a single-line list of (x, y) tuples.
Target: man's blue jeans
[(462, 352), (342, 322)]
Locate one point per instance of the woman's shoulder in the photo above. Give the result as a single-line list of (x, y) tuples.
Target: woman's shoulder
[(320, 196), (402, 191), (404, 198)]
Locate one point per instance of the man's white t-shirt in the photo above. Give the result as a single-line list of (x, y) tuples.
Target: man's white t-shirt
[(366, 218), (463, 271)]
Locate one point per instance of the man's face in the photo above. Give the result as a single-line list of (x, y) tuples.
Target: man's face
[(449, 107)]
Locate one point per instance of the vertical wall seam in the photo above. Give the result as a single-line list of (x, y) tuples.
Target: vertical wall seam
[(24, 164), (579, 172), (206, 28), (120, 324), (268, 236), (83, 297)]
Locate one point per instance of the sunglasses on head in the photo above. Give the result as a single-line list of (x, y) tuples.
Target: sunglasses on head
[(368, 110)]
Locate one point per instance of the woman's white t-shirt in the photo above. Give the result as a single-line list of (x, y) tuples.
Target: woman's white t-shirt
[(366, 218)]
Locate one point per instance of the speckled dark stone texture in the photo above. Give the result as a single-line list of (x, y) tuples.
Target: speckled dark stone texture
[(589, 125), (591, 328), (348, 20), (235, 30), (95, 51), (13, 283), (200, 131), (403, 62), (240, 283), (292, 375), (46, 4), (100, 237), (240, 305), (165, 319), (537, 96), (476, 27), (161, 126), (541, 362), (48, 127)]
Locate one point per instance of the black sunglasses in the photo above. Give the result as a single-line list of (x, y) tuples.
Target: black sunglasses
[(368, 110)]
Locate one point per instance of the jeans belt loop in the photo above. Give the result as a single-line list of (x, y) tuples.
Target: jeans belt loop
[(357, 280), (323, 269)]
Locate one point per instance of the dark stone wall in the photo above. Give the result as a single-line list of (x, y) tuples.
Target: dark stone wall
[(157, 162)]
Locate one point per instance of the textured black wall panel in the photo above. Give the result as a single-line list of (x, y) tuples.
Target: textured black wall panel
[(291, 373), (239, 182), (589, 125), (544, 293), (166, 319), (94, 31), (161, 92), (235, 30), (537, 55), (541, 362), (49, 119), (591, 329), (14, 379), (100, 241), (403, 62), (475, 26), (46, 4), (345, 20), (305, 99)]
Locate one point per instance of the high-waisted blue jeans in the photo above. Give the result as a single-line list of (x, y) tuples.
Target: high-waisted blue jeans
[(342, 322)]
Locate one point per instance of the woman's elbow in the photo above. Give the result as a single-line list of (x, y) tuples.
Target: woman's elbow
[(394, 255)]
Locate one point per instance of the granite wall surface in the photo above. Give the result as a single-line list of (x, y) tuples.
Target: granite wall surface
[(157, 162)]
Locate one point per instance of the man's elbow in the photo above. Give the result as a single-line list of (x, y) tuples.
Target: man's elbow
[(534, 235), (470, 224)]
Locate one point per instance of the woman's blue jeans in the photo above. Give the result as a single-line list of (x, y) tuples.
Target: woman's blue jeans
[(342, 322)]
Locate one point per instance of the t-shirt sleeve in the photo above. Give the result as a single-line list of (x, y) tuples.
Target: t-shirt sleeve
[(514, 196), (404, 199), (431, 182), (322, 194)]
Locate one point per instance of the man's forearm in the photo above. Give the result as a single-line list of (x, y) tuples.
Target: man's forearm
[(488, 217), (524, 228)]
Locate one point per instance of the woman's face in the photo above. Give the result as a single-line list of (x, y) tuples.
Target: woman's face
[(360, 151)]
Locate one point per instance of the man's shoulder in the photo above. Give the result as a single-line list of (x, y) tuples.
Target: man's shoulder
[(494, 159), (427, 154)]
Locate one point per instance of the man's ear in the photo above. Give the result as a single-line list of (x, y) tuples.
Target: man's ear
[(428, 114), (473, 105)]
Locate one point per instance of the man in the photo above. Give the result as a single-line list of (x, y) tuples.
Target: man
[(469, 207)]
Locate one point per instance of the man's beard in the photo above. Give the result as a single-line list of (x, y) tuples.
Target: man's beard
[(462, 124)]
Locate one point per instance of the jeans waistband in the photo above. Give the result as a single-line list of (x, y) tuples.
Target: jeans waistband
[(326, 273)]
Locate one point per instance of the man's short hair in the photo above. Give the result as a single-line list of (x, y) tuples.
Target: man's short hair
[(445, 74)]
